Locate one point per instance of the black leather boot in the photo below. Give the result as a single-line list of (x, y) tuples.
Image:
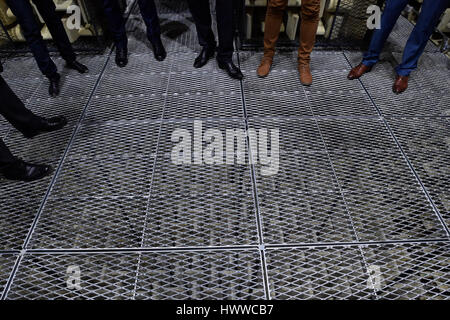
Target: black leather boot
[(231, 69), (23, 171), (53, 88), (121, 57), (158, 49), (204, 56)]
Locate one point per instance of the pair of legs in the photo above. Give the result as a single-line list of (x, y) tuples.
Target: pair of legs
[(426, 23), (30, 125), (23, 10), (117, 25), (310, 15), (201, 13)]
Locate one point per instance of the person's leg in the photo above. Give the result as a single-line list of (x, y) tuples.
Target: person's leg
[(389, 18), (274, 18), (428, 19), (150, 16), (22, 118), (15, 111), (272, 25), (116, 23), (14, 168), (310, 11), (6, 157), (202, 17), (47, 9), (25, 16), (225, 28)]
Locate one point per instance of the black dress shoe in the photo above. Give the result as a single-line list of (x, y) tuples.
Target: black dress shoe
[(231, 69), (75, 65), (121, 57), (47, 125), (53, 88), (22, 171), (202, 59), (158, 50)]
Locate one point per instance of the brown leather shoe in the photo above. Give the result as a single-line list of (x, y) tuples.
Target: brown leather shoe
[(305, 74), (264, 67), (358, 71), (400, 84)]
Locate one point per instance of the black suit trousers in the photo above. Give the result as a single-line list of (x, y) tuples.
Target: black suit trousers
[(224, 14), (17, 114), (23, 10)]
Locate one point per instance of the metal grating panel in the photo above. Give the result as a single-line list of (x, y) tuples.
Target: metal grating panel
[(342, 181), (146, 106), (220, 275), (199, 205), (276, 104), (87, 222), (135, 84), (102, 276), (318, 273), (116, 141), (16, 217), (6, 266), (426, 142), (375, 179), (412, 271), (204, 105), (340, 104), (104, 177), (403, 271)]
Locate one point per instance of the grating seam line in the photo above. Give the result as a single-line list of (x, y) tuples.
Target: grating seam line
[(147, 209), (13, 272), (340, 192), (264, 268), (411, 167), (55, 176), (363, 244)]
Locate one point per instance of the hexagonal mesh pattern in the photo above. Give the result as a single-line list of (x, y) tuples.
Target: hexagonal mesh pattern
[(356, 165)]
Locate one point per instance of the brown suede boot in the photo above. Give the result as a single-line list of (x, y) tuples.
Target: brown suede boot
[(274, 18), (305, 74), (264, 67), (308, 29)]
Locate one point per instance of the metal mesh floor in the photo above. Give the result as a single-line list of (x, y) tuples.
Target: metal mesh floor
[(360, 207)]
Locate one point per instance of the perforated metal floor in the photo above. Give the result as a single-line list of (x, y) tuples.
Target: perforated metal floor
[(360, 207)]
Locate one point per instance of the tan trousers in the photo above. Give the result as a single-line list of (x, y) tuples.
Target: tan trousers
[(310, 14)]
